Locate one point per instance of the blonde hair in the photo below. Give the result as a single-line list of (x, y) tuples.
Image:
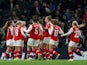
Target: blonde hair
[(18, 22), (5, 25), (54, 21), (48, 17), (75, 23)]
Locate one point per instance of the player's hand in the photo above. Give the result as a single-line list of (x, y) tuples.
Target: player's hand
[(62, 35)]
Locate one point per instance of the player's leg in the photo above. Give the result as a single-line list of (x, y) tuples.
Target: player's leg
[(39, 49), (77, 50), (28, 51), (53, 43), (18, 49), (70, 50), (45, 46), (18, 52), (55, 52), (31, 52), (29, 44), (51, 49), (8, 53)]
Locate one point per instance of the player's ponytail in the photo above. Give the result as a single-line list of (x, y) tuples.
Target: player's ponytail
[(7, 24), (75, 23)]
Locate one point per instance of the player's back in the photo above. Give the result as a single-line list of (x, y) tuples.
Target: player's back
[(9, 33), (47, 26), (55, 32), (34, 33), (17, 33), (75, 35)]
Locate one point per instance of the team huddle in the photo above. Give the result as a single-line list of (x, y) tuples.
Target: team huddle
[(40, 40)]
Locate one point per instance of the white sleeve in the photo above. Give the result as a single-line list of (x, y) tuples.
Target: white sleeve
[(22, 32), (28, 34), (29, 29), (80, 34), (12, 31), (61, 31), (50, 30), (69, 32), (41, 28)]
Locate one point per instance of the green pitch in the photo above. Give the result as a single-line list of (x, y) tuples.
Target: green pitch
[(44, 62)]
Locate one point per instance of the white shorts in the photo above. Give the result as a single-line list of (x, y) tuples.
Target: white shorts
[(32, 42), (9, 42), (53, 42), (46, 40), (40, 42), (73, 44), (19, 43)]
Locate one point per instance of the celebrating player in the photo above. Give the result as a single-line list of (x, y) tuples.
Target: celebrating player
[(33, 40), (18, 40), (46, 40), (54, 39), (9, 40), (75, 34)]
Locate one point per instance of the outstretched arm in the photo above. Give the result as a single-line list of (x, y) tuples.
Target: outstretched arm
[(29, 29), (68, 33)]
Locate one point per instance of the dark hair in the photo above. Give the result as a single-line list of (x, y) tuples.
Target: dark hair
[(9, 23)]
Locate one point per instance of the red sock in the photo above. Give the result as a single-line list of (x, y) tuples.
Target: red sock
[(28, 53), (18, 54), (15, 54), (44, 51), (50, 54), (70, 52), (47, 53), (6, 55), (77, 50), (55, 53), (38, 51), (10, 53)]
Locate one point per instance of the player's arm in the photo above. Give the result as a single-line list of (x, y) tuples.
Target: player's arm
[(50, 30), (25, 31), (22, 32), (81, 25), (29, 29), (61, 31), (68, 33), (41, 29)]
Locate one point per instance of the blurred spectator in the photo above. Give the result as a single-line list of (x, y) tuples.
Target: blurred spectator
[(68, 14), (76, 16), (12, 4), (8, 4), (37, 9), (57, 12), (13, 16), (85, 3), (1, 18), (85, 16), (23, 18), (23, 4), (65, 21), (17, 10), (2, 34)]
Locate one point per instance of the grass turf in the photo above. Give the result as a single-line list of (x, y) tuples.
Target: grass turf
[(44, 62)]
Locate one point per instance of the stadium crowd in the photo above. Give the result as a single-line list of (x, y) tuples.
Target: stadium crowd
[(64, 11)]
